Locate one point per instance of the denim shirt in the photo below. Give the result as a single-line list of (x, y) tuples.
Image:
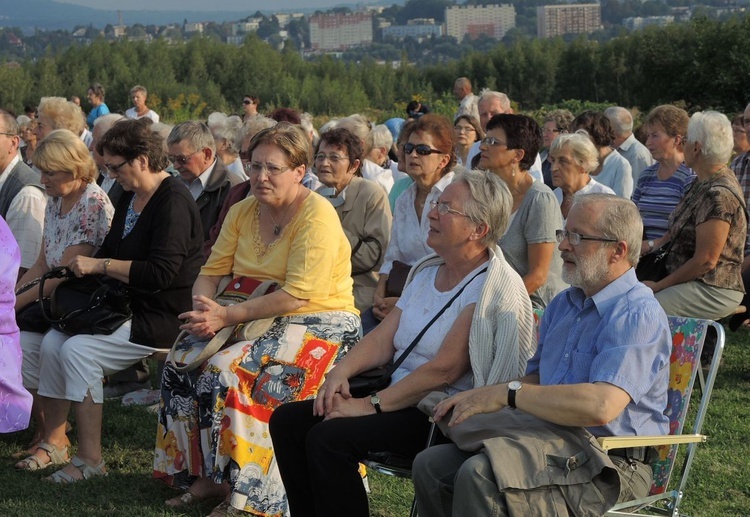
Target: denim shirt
[(619, 336)]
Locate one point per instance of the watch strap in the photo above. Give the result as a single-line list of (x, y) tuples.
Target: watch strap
[(512, 398)]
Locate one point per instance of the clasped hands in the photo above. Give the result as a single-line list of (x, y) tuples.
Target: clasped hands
[(335, 401), (206, 318)]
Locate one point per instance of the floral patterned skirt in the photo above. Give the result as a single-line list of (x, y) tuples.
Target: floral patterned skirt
[(213, 421)]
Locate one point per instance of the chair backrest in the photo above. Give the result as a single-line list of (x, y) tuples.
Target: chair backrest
[(688, 336)]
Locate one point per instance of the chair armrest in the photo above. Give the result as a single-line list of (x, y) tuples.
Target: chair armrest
[(620, 442)]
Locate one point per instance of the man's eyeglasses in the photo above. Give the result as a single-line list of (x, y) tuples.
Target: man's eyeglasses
[(492, 141), (247, 102), (553, 130), (444, 209), (333, 158), (422, 149), (115, 169), (182, 160), (272, 170), (576, 238)]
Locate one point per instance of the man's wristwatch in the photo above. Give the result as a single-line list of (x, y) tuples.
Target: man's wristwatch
[(375, 401), (513, 387), (651, 245)]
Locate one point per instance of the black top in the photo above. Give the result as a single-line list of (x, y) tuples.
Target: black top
[(165, 246)]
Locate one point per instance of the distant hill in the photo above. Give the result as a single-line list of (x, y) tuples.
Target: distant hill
[(46, 14)]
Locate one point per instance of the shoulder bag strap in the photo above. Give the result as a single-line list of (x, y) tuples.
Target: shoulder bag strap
[(413, 344)]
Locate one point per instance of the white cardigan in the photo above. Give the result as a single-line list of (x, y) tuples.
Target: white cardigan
[(502, 338)]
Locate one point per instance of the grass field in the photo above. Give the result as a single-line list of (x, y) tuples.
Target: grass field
[(719, 486)]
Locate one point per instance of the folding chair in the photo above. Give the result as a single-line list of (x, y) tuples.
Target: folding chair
[(688, 335)]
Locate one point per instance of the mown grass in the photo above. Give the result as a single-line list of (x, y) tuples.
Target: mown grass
[(719, 483)]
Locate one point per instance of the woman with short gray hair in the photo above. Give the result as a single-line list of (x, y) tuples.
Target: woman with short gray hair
[(707, 229), (574, 158)]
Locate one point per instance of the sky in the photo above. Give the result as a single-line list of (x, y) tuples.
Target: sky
[(203, 5)]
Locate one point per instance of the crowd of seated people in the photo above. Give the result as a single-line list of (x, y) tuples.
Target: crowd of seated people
[(365, 234)]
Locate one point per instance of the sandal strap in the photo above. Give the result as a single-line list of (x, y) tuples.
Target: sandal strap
[(57, 456), (88, 471)]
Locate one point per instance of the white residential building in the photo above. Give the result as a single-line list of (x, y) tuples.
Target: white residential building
[(340, 31)]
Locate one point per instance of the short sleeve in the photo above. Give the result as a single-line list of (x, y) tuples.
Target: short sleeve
[(718, 203), (543, 219)]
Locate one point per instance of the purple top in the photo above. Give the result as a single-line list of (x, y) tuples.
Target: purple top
[(15, 401)]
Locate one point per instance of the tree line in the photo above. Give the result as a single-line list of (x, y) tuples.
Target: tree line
[(703, 64)]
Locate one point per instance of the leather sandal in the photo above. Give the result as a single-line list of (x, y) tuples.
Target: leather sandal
[(34, 462), (86, 470)]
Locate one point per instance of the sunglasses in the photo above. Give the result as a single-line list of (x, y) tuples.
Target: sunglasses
[(246, 102), (422, 149)]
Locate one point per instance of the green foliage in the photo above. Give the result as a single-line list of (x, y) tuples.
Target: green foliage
[(703, 64)]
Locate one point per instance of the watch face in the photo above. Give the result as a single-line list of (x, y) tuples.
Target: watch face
[(514, 385), (374, 399)]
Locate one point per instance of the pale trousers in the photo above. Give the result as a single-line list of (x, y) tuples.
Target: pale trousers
[(31, 344), (452, 483), (71, 367), (698, 300)]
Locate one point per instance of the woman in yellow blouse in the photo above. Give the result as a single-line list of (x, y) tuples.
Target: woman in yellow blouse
[(212, 437)]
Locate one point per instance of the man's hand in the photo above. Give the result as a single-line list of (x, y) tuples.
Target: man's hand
[(486, 399)]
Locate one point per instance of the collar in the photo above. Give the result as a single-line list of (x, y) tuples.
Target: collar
[(629, 141), (607, 296), (204, 177), (330, 194), (6, 172)]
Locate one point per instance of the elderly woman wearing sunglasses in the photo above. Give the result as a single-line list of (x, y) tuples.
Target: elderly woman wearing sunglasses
[(430, 157)]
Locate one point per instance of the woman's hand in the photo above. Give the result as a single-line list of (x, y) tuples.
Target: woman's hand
[(383, 306), (81, 265), (486, 399), (336, 384), (205, 319), (349, 407)]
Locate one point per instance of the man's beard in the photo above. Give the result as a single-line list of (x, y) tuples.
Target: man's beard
[(590, 270)]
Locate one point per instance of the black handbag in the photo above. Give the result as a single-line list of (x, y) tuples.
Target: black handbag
[(394, 284), (371, 381), (91, 304), (653, 266), (29, 317)]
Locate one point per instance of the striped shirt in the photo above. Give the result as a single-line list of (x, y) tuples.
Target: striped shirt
[(741, 168), (656, 198)]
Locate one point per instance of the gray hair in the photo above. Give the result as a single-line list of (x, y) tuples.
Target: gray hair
[(252, 127), (382, 137), (226, 128), (105, 122), (561, 118), (196, 134), (582, 148), (163, 130), (331, 124), (487, 94), (621, 120), (138, 88), (619, 220), (714, 132), (10, 123), (490, 201), (63, 114), (359, 126)]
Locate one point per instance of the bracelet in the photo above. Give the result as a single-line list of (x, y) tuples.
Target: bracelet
[(106, 265)]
